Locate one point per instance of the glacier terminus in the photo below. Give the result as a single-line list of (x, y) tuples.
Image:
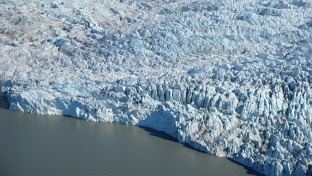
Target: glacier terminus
[(232, 78)]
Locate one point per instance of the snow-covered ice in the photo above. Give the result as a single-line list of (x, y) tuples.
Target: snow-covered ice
[(231, 78)]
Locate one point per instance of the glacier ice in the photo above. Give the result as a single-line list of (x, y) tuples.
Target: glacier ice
[(231, 78)]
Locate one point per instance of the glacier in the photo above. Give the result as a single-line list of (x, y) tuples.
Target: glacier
[(231, 78)]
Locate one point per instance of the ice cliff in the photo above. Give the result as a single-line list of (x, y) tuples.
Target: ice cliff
[(231, 78)]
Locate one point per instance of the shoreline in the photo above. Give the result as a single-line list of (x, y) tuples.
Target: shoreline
[(164, 136)]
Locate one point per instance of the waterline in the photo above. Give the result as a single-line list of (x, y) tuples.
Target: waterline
[(53, 145)]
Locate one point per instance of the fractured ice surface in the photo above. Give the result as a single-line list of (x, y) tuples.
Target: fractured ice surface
[(231, 78)]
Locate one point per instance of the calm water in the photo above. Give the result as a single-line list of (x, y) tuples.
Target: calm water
[(53, 145)]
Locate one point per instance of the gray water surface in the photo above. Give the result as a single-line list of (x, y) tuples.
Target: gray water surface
[(32, 145)]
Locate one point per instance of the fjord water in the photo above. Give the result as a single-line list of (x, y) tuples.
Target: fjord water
[(53, 145)]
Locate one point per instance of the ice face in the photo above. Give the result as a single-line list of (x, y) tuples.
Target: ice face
[(230, 78)]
